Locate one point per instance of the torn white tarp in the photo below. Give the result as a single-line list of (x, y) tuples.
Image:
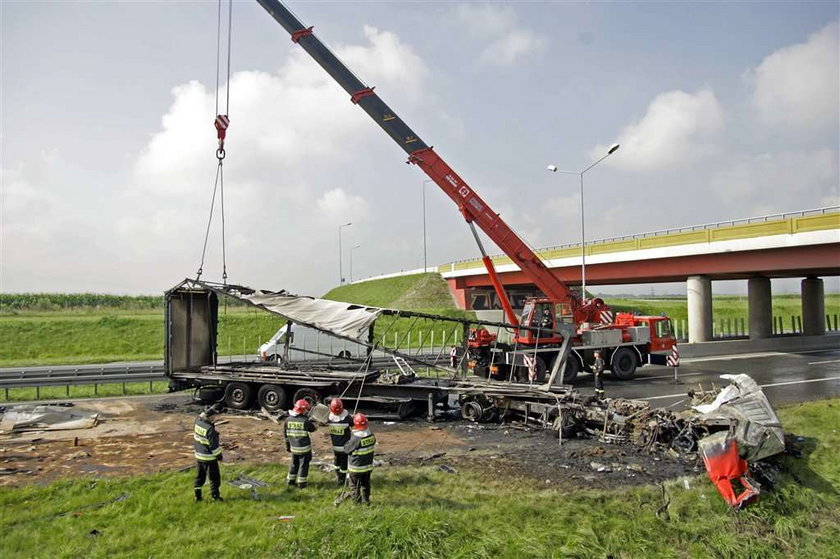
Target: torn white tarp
[(47, 418), (344, 319), (744, 406)]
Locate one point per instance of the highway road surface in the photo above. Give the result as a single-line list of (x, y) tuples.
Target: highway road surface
[(786, 378)]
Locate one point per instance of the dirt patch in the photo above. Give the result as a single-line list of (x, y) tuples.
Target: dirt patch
[(143, 436)]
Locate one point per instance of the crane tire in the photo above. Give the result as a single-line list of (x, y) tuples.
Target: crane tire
[(624, 363)]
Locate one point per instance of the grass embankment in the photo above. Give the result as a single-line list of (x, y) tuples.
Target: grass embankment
[(423, 512), (76, 329)]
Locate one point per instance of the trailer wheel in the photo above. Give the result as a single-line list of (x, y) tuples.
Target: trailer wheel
[(211, 394), (624, 363), (271, 397), (309, 395), (238, 395), (472, 411)]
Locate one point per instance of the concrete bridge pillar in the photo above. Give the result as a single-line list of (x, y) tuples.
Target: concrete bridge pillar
[(699, 309), (813, 307), (760, 304)]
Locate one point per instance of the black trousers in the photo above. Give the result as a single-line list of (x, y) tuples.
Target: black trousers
[(340, 462), (299, 468), (201, 472), (360, 487)]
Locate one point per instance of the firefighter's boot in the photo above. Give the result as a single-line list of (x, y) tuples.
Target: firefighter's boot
[(365, 494), (197, 495), (340, 478)]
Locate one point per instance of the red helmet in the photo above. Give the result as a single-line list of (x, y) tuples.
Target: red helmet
[(336, 406), (360, 421), (301, 406)]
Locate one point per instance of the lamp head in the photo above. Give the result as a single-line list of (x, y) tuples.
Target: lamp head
[(613, 149), (553, 168)]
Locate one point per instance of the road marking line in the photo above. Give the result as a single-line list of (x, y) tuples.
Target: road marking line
[(824, 362), (670, 376), (760, 385)]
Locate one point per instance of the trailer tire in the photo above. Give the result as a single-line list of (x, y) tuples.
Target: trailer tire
[(309, 395), (238, 395), (271, 397), (211, 394), (624, 363)]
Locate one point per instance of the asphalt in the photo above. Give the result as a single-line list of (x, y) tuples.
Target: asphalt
[(786, 377)]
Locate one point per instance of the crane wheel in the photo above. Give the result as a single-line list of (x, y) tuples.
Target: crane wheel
[(624, 363)]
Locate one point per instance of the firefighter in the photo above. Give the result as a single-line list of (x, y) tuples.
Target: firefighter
[(546, 323), (208, 453), (360, 461), (340, 424), (297, 429), (598, 370)]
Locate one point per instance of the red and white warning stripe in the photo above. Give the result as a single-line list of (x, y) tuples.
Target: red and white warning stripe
[(673, 360), (607, 317), (531, 363)]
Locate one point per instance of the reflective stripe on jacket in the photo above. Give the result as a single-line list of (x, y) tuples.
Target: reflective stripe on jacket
[(360, 450), (297, 431), (206, 441), (340, 430)]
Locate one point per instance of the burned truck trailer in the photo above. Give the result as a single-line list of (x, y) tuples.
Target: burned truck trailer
[(384, 380)]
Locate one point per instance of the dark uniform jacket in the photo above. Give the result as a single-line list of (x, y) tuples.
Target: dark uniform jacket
[(206, 441), (360, 450), (297, 431), (340, 430)]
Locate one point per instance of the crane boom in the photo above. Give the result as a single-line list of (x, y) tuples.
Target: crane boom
[(472, 206)]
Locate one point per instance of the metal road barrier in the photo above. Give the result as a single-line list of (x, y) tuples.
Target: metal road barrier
[(37, 377), (76, 375)]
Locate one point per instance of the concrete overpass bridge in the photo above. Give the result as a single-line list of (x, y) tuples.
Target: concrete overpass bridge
[(803, 244)]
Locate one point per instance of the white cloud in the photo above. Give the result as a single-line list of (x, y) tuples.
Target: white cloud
[(799, 85), (336, 205), (677, 127), (780, 182), (498, 27)]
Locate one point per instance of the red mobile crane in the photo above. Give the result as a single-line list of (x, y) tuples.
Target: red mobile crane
[(626, 341)]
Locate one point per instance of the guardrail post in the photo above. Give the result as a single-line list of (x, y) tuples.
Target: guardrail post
[(37, 392), (6, 390), (95, 389), (67, 390), (123, 389)]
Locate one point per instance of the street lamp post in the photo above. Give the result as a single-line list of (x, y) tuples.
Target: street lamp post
[(340, 270), (554, 169), (351, 261), (424, 224)]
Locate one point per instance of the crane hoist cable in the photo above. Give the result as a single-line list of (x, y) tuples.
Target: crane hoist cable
[(221, 123)]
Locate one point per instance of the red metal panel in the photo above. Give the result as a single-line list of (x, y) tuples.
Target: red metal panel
[(815, 260)]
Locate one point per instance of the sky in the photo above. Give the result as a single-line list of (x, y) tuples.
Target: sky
[(724, 110)]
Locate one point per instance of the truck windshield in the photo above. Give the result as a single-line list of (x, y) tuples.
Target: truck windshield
[(663, 328)]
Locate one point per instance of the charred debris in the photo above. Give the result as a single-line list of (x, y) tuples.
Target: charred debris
[(728, 428)]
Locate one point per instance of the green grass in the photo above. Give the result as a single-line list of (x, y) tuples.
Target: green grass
[(422, 512), (76, 338), (418, 291), (51, 329)]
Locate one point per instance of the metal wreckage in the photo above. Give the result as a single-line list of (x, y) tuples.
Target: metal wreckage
[(729, 428)]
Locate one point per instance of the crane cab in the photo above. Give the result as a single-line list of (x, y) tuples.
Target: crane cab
[(542, 316)]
